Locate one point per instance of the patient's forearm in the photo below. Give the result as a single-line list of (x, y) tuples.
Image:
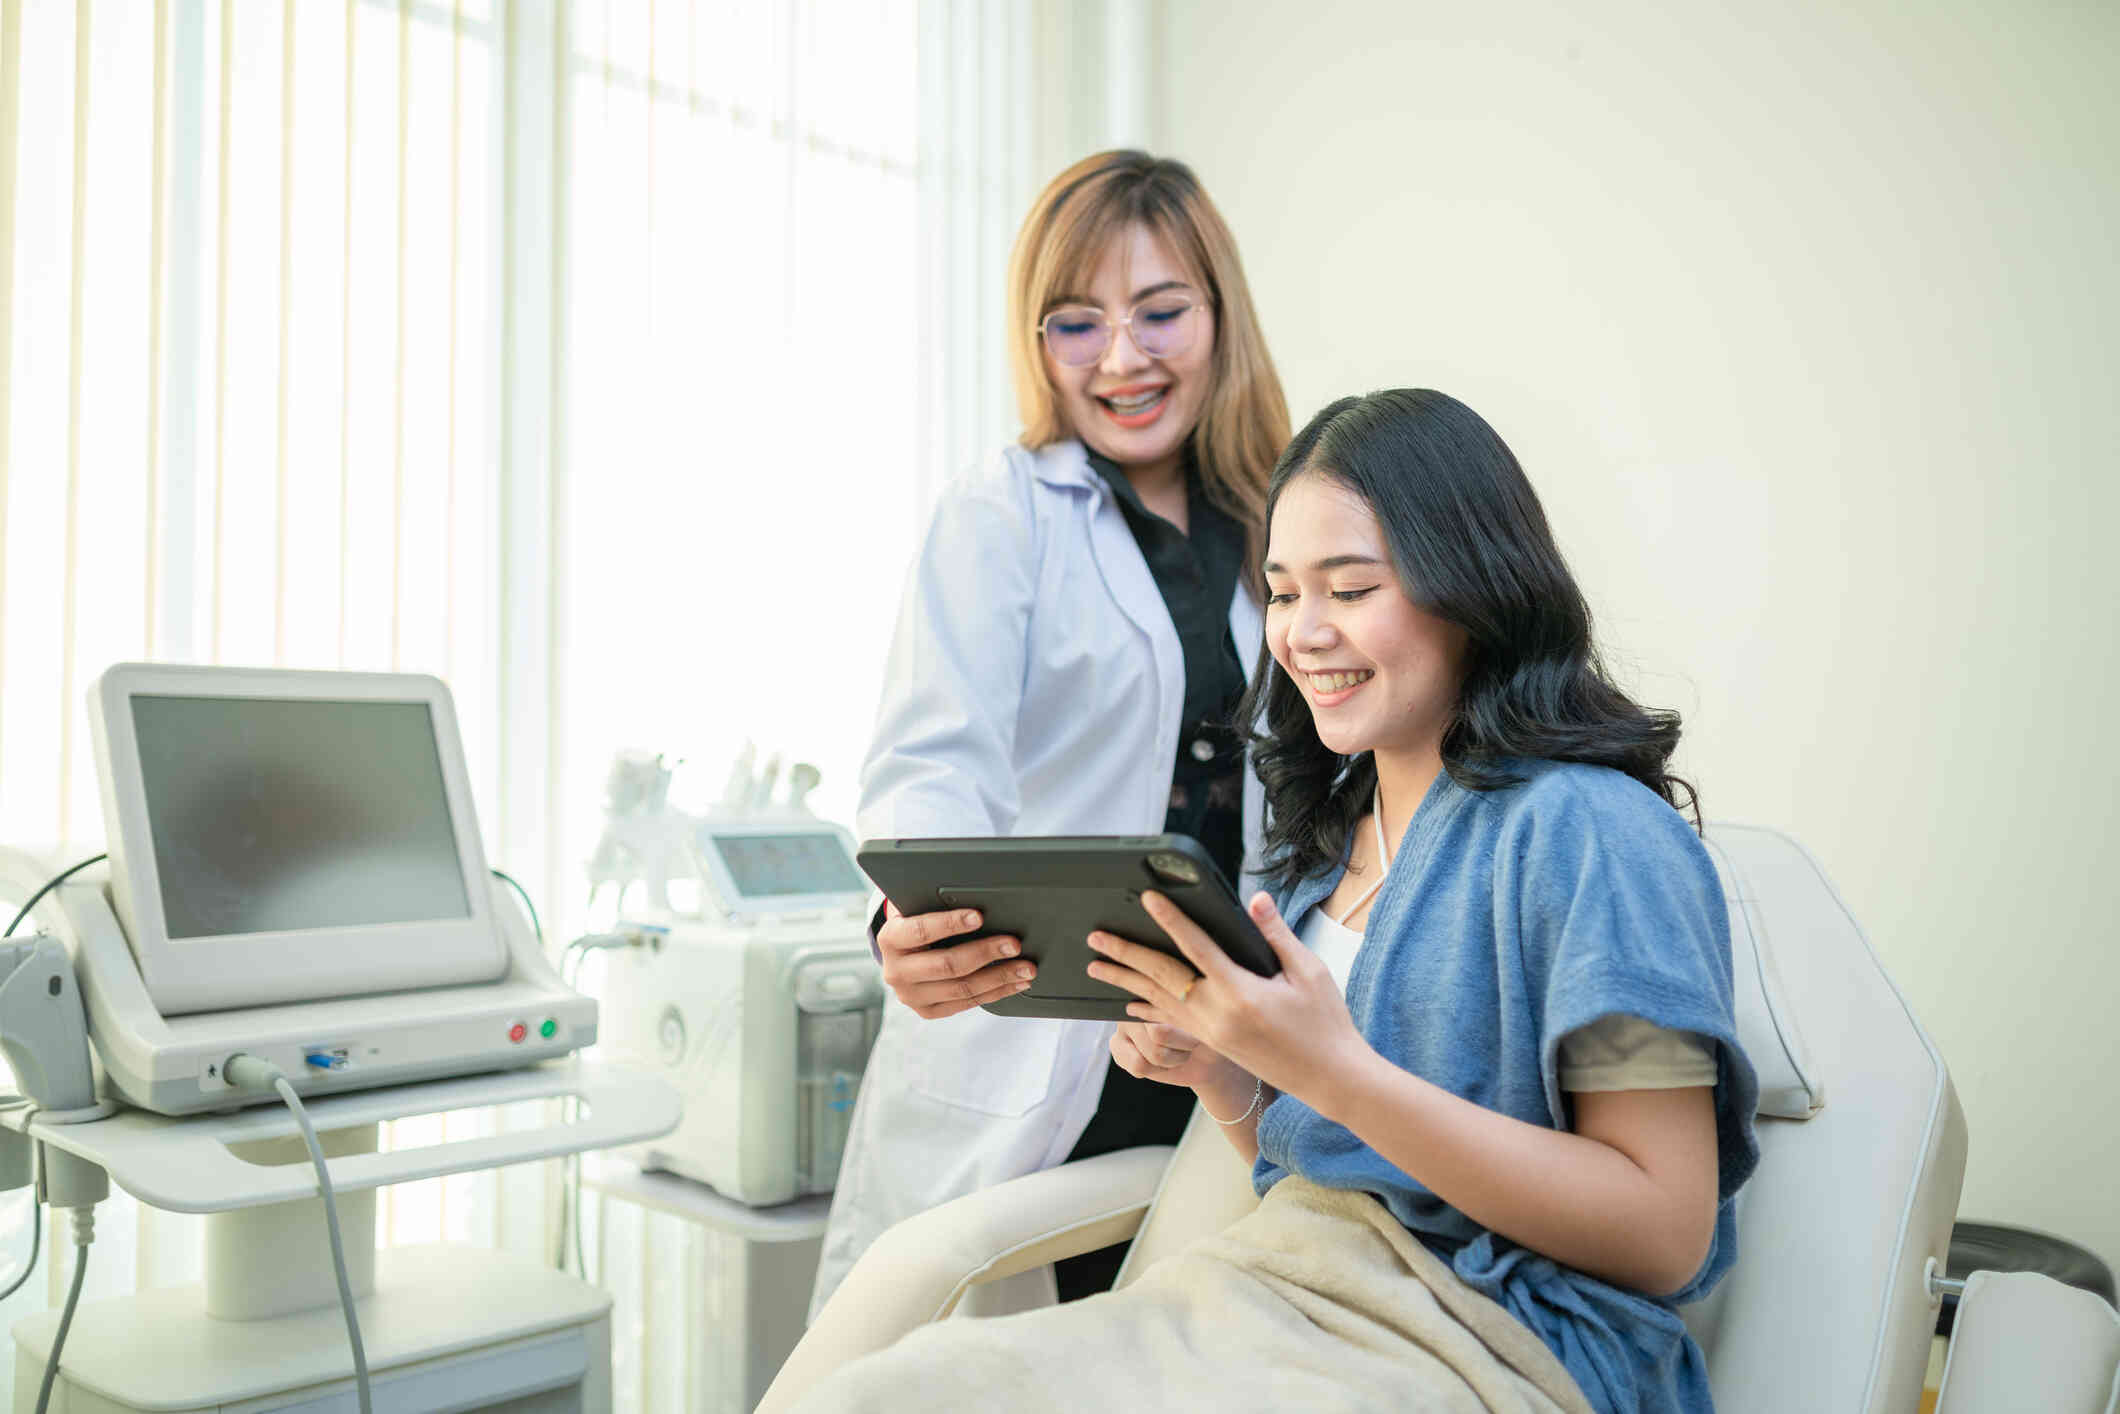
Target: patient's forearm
[(1578, 1200)]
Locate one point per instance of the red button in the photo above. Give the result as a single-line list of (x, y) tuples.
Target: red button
[(518, 1031)]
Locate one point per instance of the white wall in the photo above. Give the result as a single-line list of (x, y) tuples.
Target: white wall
[(1802, 319)]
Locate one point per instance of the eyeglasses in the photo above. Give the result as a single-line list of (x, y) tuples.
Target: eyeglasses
[(1161, 326)]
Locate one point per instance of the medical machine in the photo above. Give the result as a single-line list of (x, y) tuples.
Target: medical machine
[(295, 909), (296, 872), (760, 1002)]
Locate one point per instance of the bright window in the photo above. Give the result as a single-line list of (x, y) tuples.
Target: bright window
[(743, 390)]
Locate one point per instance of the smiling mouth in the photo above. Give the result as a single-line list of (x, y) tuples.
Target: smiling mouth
[(1327, 684), (1134, 404)]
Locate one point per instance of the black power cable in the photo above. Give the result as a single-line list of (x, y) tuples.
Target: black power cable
[(531, 908), (52, 883)]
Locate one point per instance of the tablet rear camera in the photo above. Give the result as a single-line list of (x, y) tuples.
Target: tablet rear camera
[(1174, 867)]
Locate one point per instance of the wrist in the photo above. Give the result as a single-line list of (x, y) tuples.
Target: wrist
[(1247, 1116), (1229, 1090)]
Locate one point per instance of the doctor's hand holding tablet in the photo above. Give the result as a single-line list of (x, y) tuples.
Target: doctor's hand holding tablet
[(937, 979)]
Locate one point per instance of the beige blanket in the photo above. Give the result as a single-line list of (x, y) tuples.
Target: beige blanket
[(1318, 1300)]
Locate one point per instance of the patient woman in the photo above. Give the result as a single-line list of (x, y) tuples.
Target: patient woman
[(1494, 1101)]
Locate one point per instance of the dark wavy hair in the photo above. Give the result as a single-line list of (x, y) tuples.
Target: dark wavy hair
[(1470, 544)]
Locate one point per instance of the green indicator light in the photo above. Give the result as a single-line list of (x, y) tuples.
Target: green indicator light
[(549, 1029)]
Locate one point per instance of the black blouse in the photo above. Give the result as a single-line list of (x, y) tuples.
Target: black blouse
[(1196, 573)]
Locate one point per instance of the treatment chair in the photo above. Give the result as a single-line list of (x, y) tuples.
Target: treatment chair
[(1843, 1232)]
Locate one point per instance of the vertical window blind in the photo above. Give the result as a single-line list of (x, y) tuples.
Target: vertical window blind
[(245, 417)]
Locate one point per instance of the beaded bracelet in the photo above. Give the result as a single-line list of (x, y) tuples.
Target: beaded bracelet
[(1258, 1088)]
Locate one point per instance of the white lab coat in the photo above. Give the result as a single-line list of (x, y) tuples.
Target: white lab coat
[(1034, 687)]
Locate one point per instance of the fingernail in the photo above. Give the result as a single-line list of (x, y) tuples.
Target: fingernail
[(1025, 974), (970, 920), (1009, 948), (1023, 986)]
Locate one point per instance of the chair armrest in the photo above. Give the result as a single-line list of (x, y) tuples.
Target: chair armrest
[(2022, 1340), (921, 1267)]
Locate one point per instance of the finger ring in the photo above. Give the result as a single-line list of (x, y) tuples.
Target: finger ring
[(1190, 983)]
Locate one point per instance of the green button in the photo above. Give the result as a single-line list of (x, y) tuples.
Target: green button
[(549, 1029)]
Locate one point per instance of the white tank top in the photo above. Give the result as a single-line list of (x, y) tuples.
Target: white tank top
[(1336, 943), (1327, 936)]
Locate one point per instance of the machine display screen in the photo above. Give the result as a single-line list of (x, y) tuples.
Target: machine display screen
[(275, 815), (768, 866)]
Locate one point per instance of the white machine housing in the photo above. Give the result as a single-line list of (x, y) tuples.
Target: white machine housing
[(762, 1020), (171, 1064), (336, 1008), (765, 1030), (346, 1007)]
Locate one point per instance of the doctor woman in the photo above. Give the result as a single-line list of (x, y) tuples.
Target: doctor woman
[(1068, 656)]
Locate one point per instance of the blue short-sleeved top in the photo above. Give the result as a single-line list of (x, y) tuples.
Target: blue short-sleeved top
[(1508, 919)]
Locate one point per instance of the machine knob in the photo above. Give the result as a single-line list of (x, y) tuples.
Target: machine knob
[(670, 1035)]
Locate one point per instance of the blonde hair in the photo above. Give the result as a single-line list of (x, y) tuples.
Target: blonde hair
[(1244, 422)]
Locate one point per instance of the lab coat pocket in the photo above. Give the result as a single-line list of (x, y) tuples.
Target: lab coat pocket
[(997, 1065)]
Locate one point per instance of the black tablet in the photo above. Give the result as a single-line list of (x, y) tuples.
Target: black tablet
[(1053, 891)]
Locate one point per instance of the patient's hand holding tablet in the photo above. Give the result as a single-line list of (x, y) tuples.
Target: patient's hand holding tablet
[(1005, 923)]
